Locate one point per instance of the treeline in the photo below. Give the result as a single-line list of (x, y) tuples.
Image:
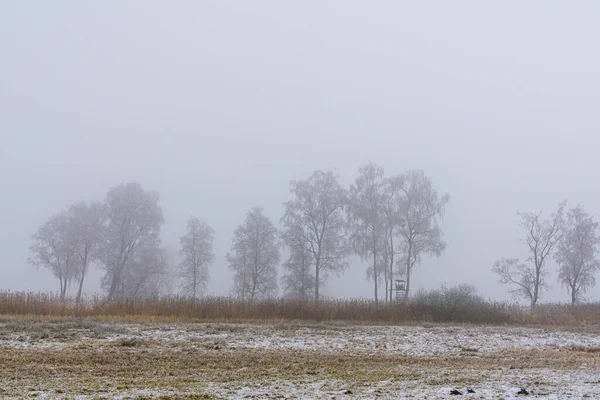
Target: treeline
[(571, 238), (390, 222)]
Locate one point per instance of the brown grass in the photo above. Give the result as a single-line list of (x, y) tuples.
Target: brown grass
[(65, 357), (421, 310), (113, 369)]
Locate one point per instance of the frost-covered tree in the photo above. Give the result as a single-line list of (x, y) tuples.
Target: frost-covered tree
[(316, 214), (54, 248), (421, 207), (196, 255), (254, 257), (529, 279), (86, 222), (367, 219), (134, 218), (577, 253)]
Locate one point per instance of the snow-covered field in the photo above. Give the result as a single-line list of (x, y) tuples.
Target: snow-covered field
[(117, 360), (409, 341)]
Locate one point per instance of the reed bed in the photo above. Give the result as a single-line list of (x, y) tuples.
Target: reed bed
[(434, 307)]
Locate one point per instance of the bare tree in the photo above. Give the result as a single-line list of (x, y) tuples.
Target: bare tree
[(576, 253), (316, 214), (254, 256), (87, 226), (529, 280), (298, 281), (134, 219), (368, 223), (53, 248), (420, 208), (196, 255)]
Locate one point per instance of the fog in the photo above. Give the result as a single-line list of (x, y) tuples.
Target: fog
[(218, 105)]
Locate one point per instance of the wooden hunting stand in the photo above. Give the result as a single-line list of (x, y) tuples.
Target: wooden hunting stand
[(400, 288)]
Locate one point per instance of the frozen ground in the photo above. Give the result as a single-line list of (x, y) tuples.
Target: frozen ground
[(409, 341), (87, 359)]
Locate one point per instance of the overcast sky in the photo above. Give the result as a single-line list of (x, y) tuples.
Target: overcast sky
[(219, 104)]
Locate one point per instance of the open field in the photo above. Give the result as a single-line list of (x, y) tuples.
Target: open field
[(110, 358)]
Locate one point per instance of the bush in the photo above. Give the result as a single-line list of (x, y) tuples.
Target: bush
[(461, 304)]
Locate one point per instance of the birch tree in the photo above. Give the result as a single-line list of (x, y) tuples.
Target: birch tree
[(196, 255), (134, 219), (86, 222), (421, 208), (367, 218), (254, 257), (529, 279), (316, 214), (577, 253), (53, 248)]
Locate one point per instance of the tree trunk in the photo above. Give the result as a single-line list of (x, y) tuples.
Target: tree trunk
[(303, 288), (60, 281), (391, 266), (375, 273), (534, 299), (407, 284), (408, 271), (317, 281), (386, 287), (83, 271), (385, 273), (536, 286), (63, 289), (79, 290), (113, 287), (536, 283), (194, 284)]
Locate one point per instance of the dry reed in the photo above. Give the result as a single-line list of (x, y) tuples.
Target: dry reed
[(435, 307)]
